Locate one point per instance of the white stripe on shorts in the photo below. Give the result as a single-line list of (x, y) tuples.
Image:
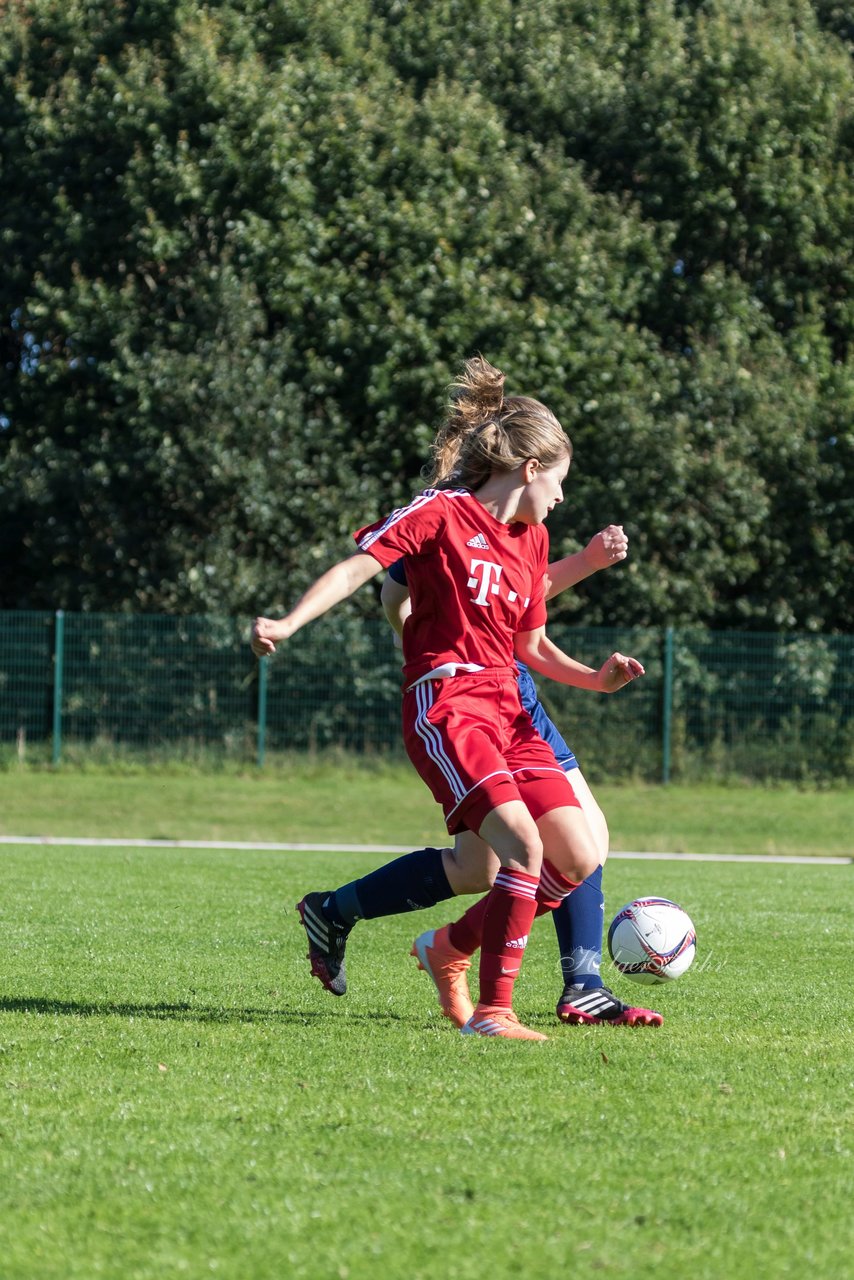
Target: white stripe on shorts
[(432, 739)]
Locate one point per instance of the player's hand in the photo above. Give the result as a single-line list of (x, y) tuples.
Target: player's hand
[(617, 672), (265, 633), (606, 547)]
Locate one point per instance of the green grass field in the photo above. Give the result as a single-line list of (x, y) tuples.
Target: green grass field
[(180, 1098), (389, 804)]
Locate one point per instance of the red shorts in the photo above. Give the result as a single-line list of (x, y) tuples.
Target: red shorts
[(476, 747)]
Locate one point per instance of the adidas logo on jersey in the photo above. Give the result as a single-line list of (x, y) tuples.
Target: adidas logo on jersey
[(478, 541), (518, 944)]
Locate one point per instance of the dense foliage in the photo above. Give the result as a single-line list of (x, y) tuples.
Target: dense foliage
[(245, 246)]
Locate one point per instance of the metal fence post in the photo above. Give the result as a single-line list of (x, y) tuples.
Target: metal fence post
[(667, 705), (262, 710), (58, 653)]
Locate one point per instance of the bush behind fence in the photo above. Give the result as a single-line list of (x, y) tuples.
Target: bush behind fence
[(713, 705)]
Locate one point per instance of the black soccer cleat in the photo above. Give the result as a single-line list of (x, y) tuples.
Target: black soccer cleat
[(597, 1004), (326, 944)]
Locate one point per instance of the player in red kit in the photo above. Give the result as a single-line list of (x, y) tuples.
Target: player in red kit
[(476, 555), (470, 866)]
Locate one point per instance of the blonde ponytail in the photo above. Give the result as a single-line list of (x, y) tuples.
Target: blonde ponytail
[(484, 432)]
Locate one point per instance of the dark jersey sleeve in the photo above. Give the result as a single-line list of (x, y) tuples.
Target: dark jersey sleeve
[(397, 572)]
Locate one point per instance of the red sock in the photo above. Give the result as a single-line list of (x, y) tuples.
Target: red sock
[(553, 888), (466, 933), (509, 914)]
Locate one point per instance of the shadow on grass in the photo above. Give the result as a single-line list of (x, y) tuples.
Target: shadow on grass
[(188, 1012)]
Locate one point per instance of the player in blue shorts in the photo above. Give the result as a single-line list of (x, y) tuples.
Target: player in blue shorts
[(470, 866)]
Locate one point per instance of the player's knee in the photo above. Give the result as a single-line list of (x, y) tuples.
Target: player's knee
[(527, 855), (577, 859), (465, 879), (514, 838), (469, 868), (584, 860)]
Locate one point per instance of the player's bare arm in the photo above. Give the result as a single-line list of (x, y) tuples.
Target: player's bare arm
[(536, 650), (335, 585), (607, 547)]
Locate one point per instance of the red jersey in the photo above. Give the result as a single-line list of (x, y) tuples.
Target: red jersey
[(473, 581)]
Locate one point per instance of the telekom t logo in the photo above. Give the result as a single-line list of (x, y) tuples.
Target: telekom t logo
[(484, 580)]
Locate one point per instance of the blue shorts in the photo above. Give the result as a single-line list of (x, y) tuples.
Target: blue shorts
[(547, 730)]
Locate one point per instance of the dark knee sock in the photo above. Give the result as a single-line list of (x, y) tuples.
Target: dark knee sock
[(411, 883), (578, 923)]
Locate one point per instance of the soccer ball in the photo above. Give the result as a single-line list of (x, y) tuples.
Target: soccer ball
[(652, 940)]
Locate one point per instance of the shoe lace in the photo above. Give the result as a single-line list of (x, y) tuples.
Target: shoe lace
[(456, 968)]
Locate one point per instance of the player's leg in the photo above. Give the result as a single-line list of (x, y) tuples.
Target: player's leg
[(507, 916), (408, 883), (413, 882), (454, 735), (445, 953), (570, 855), (579, 917), (544, 793), (579, 921), (460, 763), (471, 868), (471, 865)]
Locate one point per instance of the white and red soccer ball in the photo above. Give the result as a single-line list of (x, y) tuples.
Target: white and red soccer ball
[(652, 940)]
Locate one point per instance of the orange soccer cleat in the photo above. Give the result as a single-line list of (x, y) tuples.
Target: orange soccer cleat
[(486, 1021), (448, 968)]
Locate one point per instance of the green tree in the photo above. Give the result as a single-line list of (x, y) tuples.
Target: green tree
[(247, 245)]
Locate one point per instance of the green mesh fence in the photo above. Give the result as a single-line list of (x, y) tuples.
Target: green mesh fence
[(712, 704), (26, 678)]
